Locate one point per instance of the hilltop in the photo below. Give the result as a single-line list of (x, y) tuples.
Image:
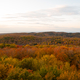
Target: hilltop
[(43, 34), (43, 38)]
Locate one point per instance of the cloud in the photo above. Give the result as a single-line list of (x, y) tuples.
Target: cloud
[(47, 13), (60, 18), (47, 16), (70, 10), (36, 28), (10, 17), (57, 11)]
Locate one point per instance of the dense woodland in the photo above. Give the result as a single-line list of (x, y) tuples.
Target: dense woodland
[(45, 38), (40, 56)]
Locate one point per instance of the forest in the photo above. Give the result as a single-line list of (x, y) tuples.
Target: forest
[(40, 56)]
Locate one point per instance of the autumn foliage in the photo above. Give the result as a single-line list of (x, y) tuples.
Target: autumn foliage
[(56, 59), (40, 62)]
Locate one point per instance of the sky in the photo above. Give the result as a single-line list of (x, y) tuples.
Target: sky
[(39, 16)]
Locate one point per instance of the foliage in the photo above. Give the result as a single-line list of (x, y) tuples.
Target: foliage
[(45, 38), (40, 62)]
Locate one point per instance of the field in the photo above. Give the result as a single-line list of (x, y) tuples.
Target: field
[(40, 56)]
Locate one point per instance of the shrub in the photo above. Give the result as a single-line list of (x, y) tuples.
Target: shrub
[(29, 63), (14, 74)]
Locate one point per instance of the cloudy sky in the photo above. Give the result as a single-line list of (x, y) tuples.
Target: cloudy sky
[(39, 16)]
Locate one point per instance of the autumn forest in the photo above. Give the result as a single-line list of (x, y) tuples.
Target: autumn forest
[(40, 56)]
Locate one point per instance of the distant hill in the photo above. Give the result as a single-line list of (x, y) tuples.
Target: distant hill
[(44, 38), (45, 34)]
